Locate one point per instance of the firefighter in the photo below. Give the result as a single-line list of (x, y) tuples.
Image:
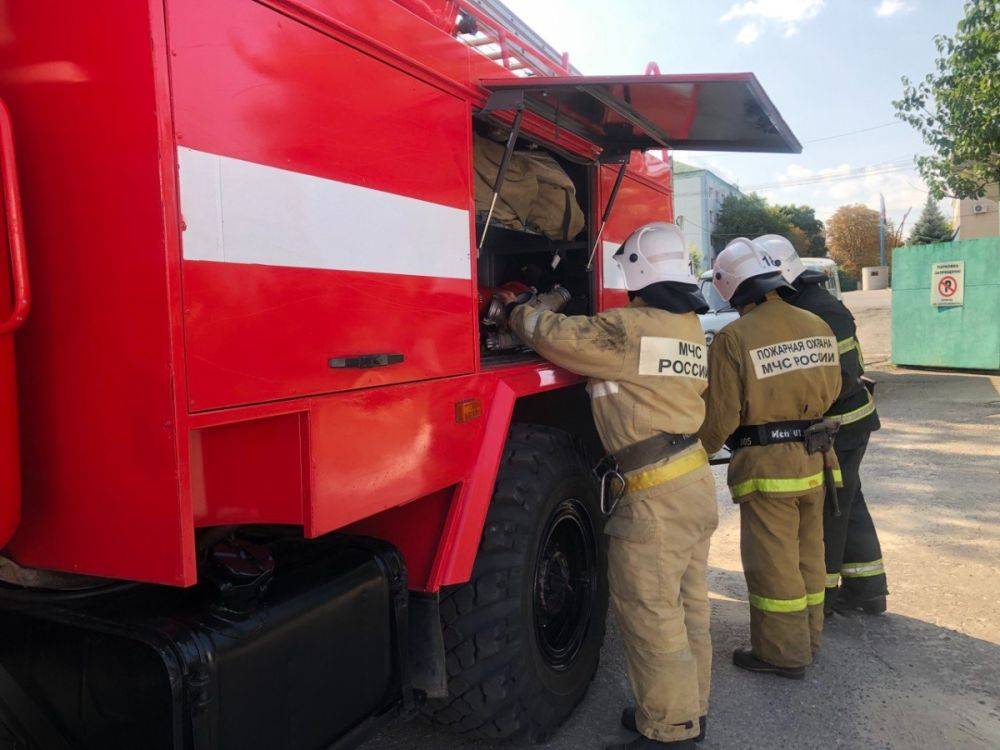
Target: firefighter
[(853, 552), (773, 374), (647, 366)]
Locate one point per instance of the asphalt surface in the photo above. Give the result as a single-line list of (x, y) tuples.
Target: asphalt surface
[(927, 674)]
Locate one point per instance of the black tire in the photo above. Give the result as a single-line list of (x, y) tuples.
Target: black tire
[(523, 637)]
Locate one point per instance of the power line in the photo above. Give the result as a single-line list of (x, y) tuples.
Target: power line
[(854, 132), (853, 174), (866, 170)]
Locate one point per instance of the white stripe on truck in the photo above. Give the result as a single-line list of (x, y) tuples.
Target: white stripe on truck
[(240, 212), (613, 276)]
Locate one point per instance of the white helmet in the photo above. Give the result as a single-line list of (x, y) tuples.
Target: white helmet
[(744, 259), (655, 252), (782, 250)]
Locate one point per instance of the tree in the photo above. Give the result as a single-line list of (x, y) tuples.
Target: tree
[(852, 235), (931, 226), (746, 216), (799, 240), (804, 219), (957, 108), (695, 259)]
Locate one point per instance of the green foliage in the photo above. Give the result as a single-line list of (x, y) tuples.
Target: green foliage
[(848, 283), (931, 226), (804, 217), (752, 216), (695, 260), (957, 107), (745, 216)]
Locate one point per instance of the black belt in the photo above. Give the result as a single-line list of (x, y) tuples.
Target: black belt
[(651, 450), (792, 431)]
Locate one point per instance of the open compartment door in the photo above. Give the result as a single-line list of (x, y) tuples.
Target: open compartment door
[(10, 476), (15, 300), (725, 112)]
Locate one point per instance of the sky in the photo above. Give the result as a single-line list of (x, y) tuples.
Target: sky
[(832, 68)]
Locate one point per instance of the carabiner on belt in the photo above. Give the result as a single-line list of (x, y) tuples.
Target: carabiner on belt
[(613, 489), (612, 481)]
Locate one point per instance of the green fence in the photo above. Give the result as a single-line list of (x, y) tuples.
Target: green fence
[(928, 327)]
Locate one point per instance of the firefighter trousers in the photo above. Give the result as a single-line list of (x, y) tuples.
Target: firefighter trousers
[(854, 567), (781, 543), (657, 559)]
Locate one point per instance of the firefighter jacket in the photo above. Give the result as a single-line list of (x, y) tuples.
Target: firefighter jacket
[(854, 408), (776, 363), (647, 367)]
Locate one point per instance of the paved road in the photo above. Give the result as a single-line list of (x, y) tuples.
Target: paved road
[(927, 675)]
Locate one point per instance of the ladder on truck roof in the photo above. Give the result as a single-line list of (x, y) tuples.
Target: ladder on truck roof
[(500, 35)]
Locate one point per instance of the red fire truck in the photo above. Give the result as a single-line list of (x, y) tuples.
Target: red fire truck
[(273, 482)]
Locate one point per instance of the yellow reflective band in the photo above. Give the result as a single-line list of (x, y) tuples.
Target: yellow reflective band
[(683, 465), (803, 484), (853, 416), (845, 345), (778, 605), (838, 478), (862, 570), (832, 580), (786, 605)]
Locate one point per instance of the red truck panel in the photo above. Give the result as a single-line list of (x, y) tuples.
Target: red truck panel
[(101, 460), (638, 202), (326, 202)]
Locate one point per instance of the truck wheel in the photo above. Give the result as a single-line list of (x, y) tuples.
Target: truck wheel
[(523, 637)]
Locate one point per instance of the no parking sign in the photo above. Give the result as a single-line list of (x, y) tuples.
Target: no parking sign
[(948, 284)]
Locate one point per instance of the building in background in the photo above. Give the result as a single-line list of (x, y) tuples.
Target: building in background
[(977, 217), (698, 196)]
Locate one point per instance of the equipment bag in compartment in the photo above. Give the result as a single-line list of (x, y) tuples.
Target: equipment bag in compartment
[(537, 194)]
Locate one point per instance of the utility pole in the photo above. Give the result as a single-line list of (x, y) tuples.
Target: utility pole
[(881, 231)]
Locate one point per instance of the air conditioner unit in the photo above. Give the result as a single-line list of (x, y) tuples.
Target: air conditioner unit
[(979, 208)]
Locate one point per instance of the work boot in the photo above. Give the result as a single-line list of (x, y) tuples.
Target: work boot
[(628, 721), (829, 602), (874, 606), (644, 743), (744, 659)]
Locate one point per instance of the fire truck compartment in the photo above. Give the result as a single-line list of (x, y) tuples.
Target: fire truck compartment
[(513, 253), (293, 645), (325, 204)]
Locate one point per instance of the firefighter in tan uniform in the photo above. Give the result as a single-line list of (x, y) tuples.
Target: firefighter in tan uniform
[(772, 375), (648, 367)]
